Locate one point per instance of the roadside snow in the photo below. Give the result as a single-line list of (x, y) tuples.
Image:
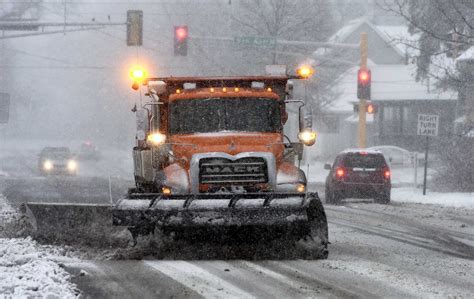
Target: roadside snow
[(454, 199), (28, 270), (6, 211)]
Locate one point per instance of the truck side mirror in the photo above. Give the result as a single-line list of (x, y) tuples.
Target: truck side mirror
[(142, 123), (327, 166), (306, 119), (307, 136)]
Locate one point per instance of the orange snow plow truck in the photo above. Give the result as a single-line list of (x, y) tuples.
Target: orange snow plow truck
[(211, 153)]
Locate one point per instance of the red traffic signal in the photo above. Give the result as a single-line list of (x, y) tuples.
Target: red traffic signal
[(364, 76), (363, 84), (181, 33), (180, 40)]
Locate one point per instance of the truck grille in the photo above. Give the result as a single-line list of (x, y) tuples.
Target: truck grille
[(242, 171)]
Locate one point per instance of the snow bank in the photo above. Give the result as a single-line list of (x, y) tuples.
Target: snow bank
[(28, 271), (454, 199), (6, 211)]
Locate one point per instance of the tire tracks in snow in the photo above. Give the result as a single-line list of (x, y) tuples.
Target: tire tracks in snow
[(418, 235)]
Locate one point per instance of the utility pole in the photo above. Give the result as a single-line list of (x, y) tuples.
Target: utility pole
[(362, 102)]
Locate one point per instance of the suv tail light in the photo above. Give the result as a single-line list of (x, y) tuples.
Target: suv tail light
[(386, 173), (340, 173)]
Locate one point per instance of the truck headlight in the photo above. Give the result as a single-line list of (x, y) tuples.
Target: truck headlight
[(307, 137), (156, 138), (300, 188), (48, 165), (71, 165)]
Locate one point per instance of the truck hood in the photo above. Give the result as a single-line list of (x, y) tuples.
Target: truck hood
[(232, 143)]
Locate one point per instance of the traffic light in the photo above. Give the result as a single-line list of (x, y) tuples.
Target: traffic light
[(180, 40), (363, 84), (134, 28), (370, 108)]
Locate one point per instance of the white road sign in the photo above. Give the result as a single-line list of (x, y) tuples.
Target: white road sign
[(428, 125)]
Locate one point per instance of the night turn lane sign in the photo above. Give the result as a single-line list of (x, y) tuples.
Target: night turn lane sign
[(428, 125)]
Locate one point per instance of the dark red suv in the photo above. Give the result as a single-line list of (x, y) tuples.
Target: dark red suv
[(358, 173)]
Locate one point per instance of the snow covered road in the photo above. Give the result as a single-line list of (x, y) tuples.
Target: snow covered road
[(399, 250), (402, 250)]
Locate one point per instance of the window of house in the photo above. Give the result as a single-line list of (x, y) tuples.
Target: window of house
[(391, 120), (396, 120)]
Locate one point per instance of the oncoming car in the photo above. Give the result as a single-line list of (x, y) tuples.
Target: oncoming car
[(358, 173), (57, 160)]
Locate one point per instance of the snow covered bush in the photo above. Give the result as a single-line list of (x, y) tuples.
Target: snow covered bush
[(456, 173)]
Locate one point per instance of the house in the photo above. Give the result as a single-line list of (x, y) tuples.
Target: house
[(395, 91), (399, 99)]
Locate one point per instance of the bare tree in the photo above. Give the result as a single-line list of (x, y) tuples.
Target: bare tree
[(304, 20), (444, 29), (16, 10)]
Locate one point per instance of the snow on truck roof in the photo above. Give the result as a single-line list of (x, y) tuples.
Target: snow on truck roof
[(218, 81)]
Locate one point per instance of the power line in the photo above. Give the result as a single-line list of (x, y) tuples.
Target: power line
[(174, 3)]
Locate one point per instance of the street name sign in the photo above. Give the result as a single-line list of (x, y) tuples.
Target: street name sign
[(254, 41), (428, 125)]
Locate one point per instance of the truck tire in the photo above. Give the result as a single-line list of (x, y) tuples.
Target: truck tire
[(314, 245), (328, 196)]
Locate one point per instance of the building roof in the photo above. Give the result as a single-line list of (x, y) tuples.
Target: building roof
[(392, 35), (467, 55), (400, 38), (389, 83)]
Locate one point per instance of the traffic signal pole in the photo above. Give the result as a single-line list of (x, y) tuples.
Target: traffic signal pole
[(362, 102)]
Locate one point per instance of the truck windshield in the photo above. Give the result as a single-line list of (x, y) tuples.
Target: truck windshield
[(224, 114)]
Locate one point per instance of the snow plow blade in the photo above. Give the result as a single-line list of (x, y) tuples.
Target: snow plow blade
[(88, 224), (298, 217), (153, 210)]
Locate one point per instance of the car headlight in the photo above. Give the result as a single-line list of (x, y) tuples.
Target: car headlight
[(71, 165), (48, 165)]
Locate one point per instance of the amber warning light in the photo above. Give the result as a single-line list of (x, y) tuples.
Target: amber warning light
[(305, 71), (137, 74)]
